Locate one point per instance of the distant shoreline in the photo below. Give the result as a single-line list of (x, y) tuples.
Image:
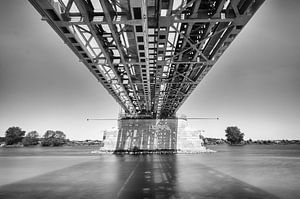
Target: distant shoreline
[(216, 141), (207, 144)]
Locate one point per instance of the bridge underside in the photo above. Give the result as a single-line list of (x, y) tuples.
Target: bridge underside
[(148, 54)]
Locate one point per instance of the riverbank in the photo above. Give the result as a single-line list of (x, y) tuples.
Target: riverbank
[(67, 143), (216, 141)]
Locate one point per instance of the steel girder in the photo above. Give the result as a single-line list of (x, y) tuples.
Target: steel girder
[(148, 54)]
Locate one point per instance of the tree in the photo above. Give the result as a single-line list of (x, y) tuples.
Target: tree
[(31, 138), (14, 135), (53, 138), (234, 135)]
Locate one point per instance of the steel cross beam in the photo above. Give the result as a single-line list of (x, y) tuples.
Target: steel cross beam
[(193, 87), (48, 10), (146, 47), (183, 7), (199, 43), (132, 22), (107, 8), (84, 9), (190, 26), (186, 40), (224, 32)]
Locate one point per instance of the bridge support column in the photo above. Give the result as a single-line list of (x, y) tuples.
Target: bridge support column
[(147, 134), (153, 135)]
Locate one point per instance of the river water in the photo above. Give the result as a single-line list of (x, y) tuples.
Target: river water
[(251, 171)]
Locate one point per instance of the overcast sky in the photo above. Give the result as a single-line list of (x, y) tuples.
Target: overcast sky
[(255, 85)]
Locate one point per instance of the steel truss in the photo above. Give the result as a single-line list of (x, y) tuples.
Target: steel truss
[(148, 54)]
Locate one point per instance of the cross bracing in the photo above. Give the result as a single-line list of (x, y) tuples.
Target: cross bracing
[(148, 54)]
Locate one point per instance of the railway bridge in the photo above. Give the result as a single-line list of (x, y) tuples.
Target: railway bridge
[(148, 54)]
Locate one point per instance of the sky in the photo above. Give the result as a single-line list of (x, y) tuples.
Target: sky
[(255, 85)]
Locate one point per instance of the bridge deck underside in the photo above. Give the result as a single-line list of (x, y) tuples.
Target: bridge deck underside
[(148, 54)]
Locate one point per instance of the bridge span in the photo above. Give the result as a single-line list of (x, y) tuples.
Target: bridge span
[(148, 54)]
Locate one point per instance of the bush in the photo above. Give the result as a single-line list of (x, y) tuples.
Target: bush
[(53, 138), (31, 138), (14, 135), (234, 135)]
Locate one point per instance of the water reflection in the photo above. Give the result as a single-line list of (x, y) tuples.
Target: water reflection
[(153, 177), (197, 180), (180, 176), (135, 176)]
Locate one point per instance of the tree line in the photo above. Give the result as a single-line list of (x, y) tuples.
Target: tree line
[(16, 136)]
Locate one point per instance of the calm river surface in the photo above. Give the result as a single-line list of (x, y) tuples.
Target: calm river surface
[(252, 171)]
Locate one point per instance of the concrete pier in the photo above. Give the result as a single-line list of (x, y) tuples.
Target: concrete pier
[(153, 135)]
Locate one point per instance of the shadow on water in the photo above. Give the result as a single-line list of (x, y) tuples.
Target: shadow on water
[(140, 176)]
